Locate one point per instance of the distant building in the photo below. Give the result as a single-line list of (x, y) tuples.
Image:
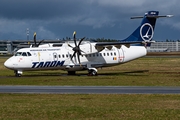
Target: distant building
[(164, 47), (9, 47)]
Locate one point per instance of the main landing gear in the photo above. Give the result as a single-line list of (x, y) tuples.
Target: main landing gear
[(92, 71)]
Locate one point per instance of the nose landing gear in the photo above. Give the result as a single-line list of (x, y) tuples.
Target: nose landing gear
[(18, 73)]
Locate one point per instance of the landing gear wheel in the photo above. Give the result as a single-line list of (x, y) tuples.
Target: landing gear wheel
[(17, 74), (92, 72)]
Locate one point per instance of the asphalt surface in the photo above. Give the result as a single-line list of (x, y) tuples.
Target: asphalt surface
[(89, 90)]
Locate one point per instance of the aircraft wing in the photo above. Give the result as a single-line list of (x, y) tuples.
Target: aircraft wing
[(117, 43), (101, 45)]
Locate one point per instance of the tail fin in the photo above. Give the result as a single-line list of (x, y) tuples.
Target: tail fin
[(145, 31)]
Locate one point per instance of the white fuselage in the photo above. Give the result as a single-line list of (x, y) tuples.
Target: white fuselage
[(60, 57)]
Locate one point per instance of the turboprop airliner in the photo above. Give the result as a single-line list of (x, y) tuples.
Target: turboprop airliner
[(78, 55)]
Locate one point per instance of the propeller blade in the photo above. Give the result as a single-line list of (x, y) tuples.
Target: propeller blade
[(35, 39), (82, 51), (81, 41), (70, 46), (40, 43), (73, 55), (74, 35), (78, 54), (80, 44)]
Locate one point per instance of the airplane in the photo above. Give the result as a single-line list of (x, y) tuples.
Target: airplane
[(78, 55)]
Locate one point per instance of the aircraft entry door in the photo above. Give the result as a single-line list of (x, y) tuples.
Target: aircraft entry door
[(55, 56), (121, 55)]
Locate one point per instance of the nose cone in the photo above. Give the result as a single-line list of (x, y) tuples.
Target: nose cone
[(8, 64)]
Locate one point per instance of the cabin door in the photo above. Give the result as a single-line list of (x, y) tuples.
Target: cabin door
[(55, 56), (121, 55)]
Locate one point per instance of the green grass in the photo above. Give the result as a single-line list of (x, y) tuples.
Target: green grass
[(141, 72), (90, 107)]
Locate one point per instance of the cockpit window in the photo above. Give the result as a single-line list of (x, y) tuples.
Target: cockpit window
[(24, 54), (18, 54), (29, 54)]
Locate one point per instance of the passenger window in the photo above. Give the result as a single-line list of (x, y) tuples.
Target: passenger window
[(104, 54), (111, 54), (107, 54), (59, 56), (114, 53), (100, 54), (63, 55)]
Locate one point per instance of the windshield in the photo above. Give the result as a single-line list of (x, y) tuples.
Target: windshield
[(23, 54), (18, 54)]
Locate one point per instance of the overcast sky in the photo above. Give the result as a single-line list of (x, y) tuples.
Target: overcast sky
[(57, 19)]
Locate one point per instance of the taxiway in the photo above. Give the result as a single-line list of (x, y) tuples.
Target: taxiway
[(89, 90)]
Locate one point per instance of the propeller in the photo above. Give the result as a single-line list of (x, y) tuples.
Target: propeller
[(35, 43), (76, 49)]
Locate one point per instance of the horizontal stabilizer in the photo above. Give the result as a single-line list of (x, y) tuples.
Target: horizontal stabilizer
[(151, 16)]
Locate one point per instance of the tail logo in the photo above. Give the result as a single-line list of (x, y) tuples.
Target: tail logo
[(146, 32)]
